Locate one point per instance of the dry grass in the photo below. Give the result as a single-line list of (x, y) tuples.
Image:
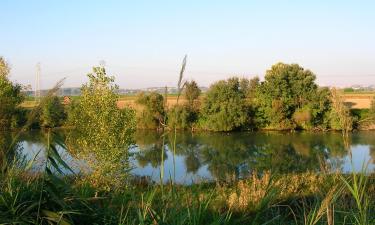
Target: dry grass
[(250, 192), (358, 101)]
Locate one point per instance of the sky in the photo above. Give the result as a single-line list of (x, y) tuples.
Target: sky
[(143, 42)]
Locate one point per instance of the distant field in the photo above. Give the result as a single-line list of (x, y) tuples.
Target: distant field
[(123, 101), (361, 100), (130, 101)]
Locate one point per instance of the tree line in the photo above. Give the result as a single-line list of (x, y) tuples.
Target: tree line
[(288, 99)]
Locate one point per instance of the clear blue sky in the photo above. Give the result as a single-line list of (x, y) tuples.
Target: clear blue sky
[(143, 42)]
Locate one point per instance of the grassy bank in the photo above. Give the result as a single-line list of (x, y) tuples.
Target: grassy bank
[(307, 198)]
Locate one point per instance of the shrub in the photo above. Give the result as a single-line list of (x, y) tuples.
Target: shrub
[(152, 114), (181, 117), (302, 118)]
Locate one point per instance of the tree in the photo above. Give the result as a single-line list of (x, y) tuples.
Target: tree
[(153, 112), (10, 98), (52, 113), (225, 108), (290, 89), (103, 132), (191, 92)]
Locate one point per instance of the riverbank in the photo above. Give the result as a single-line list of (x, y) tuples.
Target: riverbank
[(305, 198)]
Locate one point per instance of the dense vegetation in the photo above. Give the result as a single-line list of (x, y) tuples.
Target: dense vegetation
[(287, 99), (101, 190), (10, 99), (61, 197), (153, 113)]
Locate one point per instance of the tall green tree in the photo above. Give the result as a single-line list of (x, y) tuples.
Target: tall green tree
[(10, 98), (290, 98), (103, 132), (224, 107)]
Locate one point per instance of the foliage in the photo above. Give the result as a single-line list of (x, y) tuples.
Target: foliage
[(185, 115), (289, 88), (260, 199), (348, 90), (340, 115), (52, 113), (104, 132), (180, 117), (250, 87), (224, 107), (191, 92), (4, 67), (10, 98), (153, 112)]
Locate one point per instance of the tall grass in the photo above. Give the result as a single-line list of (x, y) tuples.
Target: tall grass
[(357, 185)]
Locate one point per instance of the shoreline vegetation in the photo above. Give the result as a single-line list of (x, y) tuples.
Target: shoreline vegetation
[(105, 193), (287, 99)]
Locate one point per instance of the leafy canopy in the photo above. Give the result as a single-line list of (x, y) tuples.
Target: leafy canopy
[(290, 89), (225, 107)]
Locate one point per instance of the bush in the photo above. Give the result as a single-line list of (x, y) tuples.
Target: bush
[(151, 116), (181, 117), (302, 118)]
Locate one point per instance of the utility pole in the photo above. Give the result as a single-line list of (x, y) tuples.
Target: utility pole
[(37, 83)]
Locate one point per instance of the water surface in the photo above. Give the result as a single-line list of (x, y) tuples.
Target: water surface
[(227, 156)]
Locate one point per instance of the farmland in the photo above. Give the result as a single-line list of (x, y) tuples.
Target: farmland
[(360, 100)]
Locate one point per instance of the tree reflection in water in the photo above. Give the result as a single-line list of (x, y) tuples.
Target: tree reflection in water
[(235, 155), (224, 156)]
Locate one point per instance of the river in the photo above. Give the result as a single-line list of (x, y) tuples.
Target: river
[(226, 156)]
